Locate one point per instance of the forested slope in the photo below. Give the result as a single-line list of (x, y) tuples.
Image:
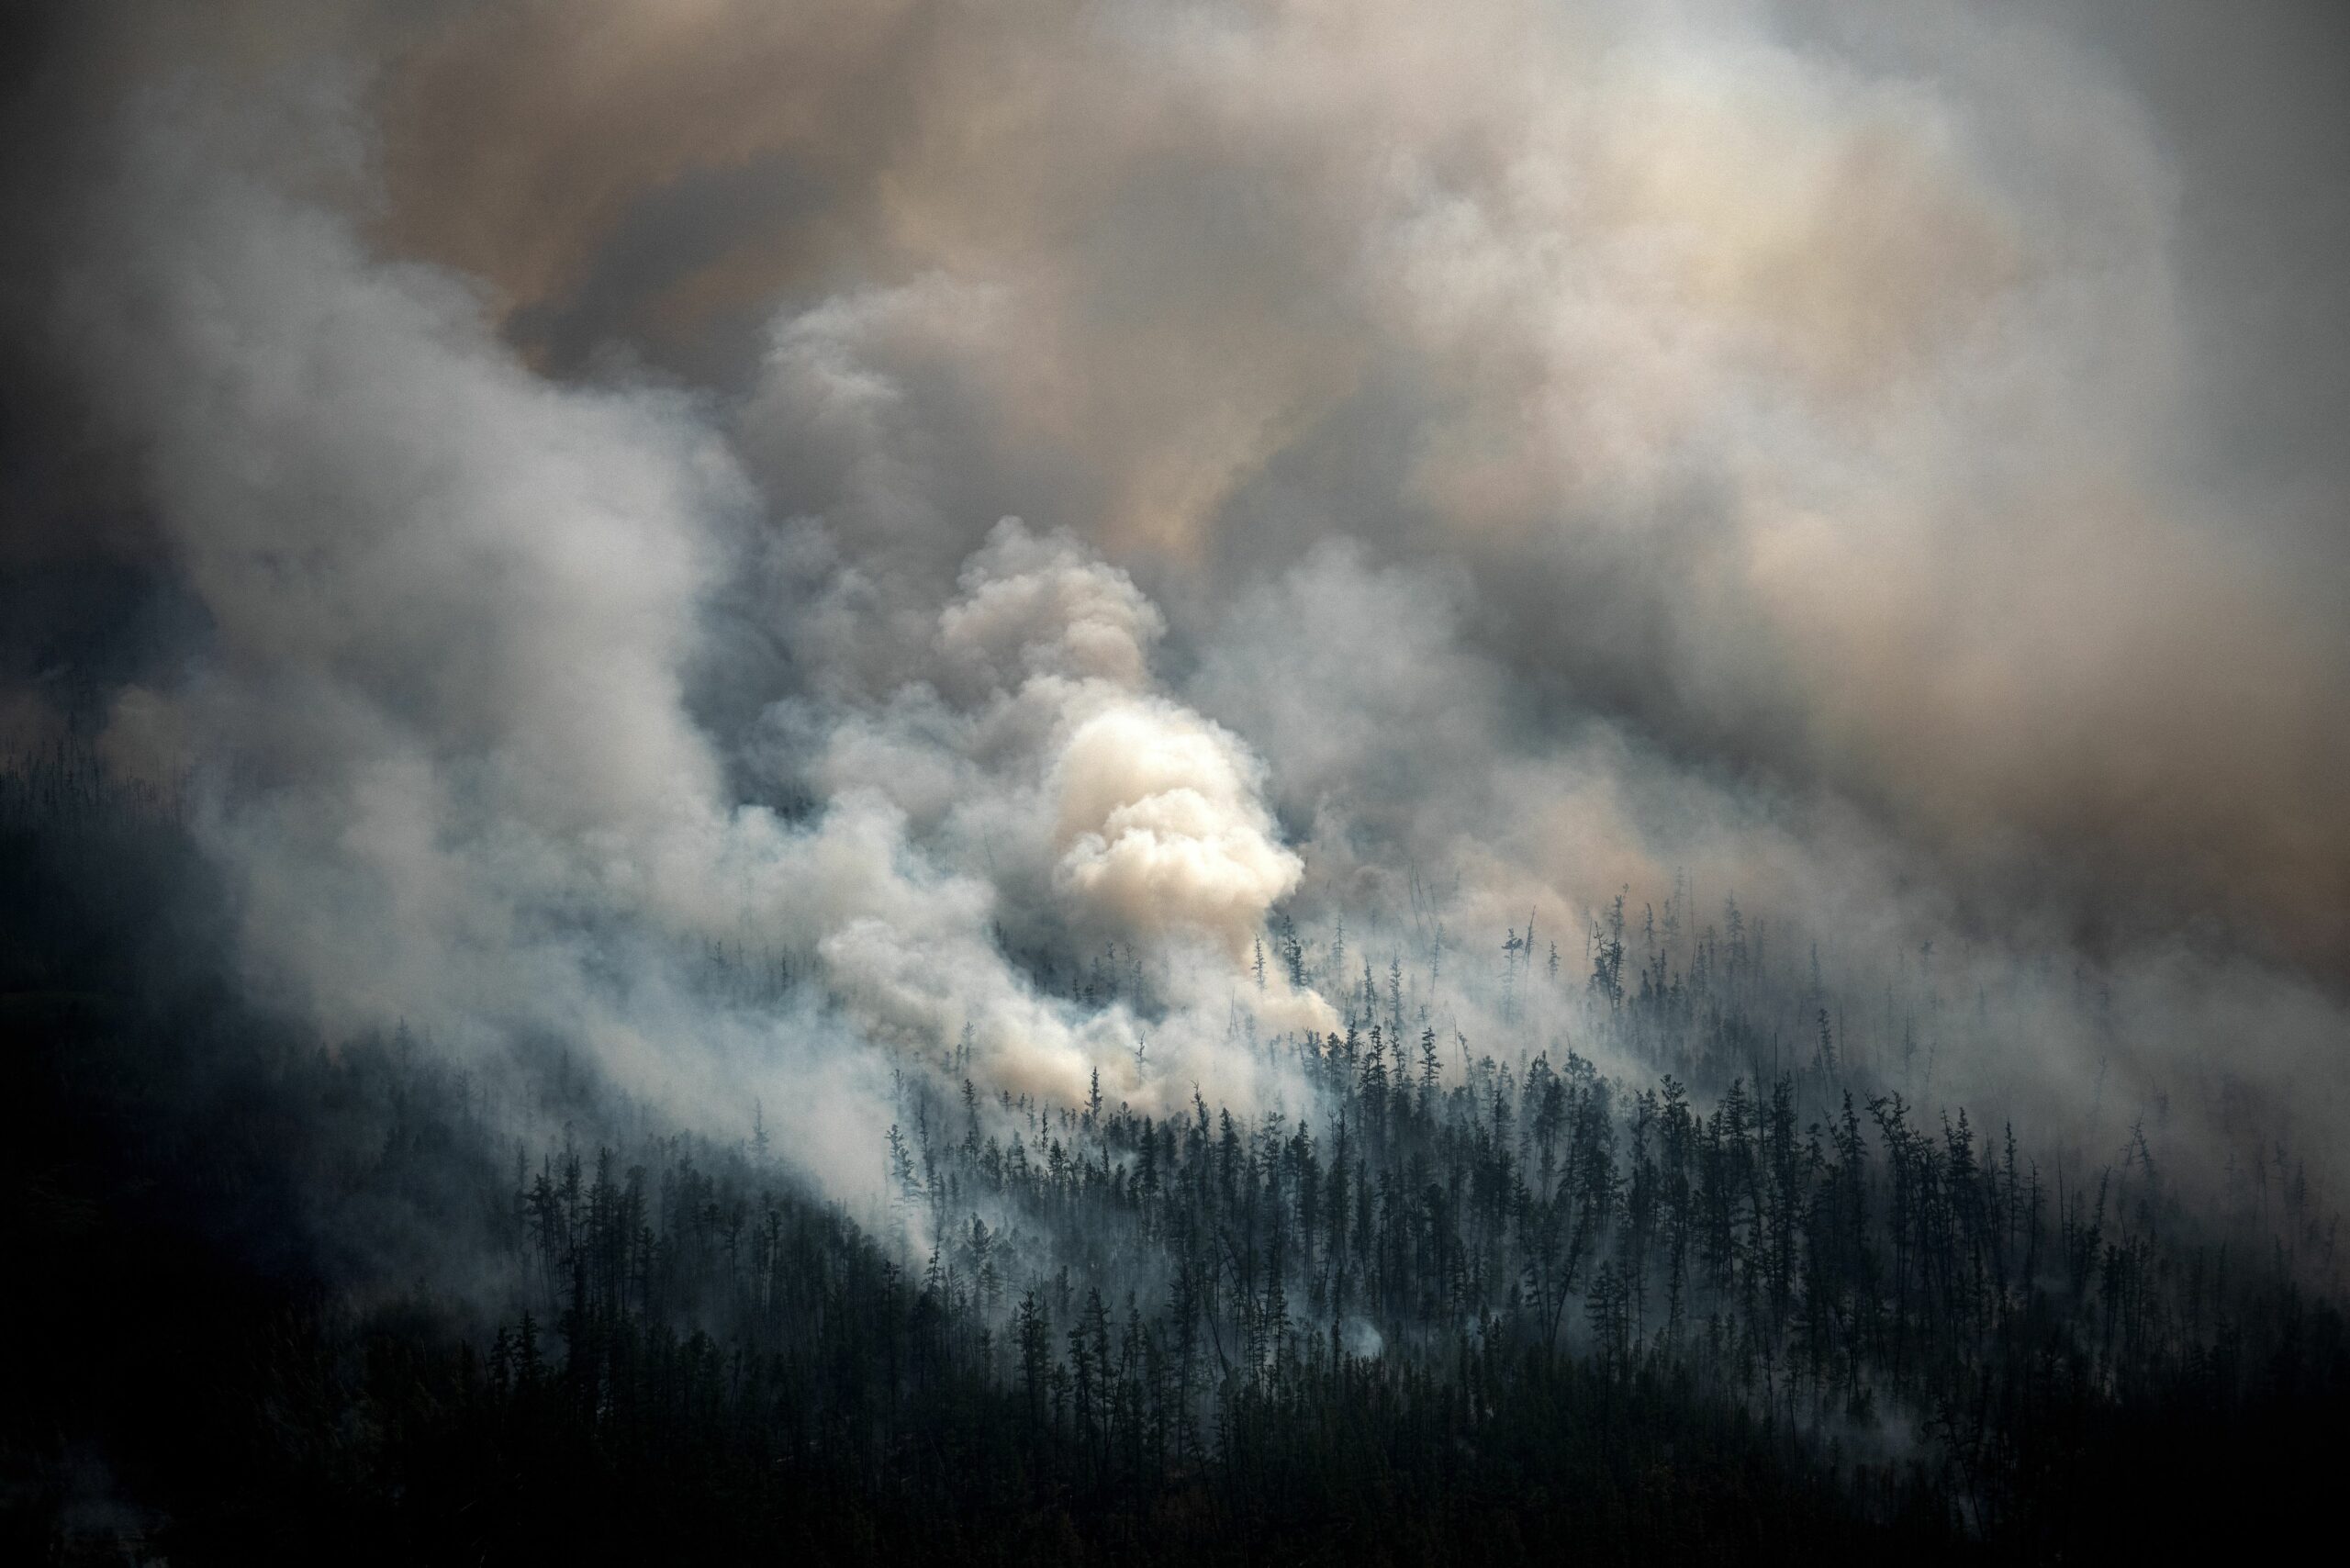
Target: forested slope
[(279, 1297)]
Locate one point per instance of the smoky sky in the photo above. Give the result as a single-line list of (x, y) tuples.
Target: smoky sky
[(564, 486)]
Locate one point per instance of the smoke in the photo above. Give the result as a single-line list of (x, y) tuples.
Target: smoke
[(1807, 396), (1474, 466)]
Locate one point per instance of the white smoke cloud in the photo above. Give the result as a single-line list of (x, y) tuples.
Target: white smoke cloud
[(1160, 814)]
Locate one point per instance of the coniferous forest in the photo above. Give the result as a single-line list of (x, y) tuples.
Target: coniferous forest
[(1164, 782), (1485, 1304)]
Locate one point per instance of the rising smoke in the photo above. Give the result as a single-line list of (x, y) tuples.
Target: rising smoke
[(1472, 464)]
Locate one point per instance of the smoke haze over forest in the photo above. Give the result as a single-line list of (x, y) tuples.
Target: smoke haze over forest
[(533, 476), (781, 549)]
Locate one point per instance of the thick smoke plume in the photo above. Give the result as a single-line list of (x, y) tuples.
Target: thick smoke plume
[(1474, 464)]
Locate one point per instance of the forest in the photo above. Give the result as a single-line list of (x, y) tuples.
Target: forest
[(279, 1296)]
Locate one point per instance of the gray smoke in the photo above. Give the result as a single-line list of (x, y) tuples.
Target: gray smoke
[(1474, 463)]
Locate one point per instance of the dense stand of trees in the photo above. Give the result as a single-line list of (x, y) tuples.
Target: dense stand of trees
[(1466, 1302)]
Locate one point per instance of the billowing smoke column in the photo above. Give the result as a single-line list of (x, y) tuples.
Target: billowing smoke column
[(1476, 464), (1156, 812), (1079, 800), (441, 729)]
